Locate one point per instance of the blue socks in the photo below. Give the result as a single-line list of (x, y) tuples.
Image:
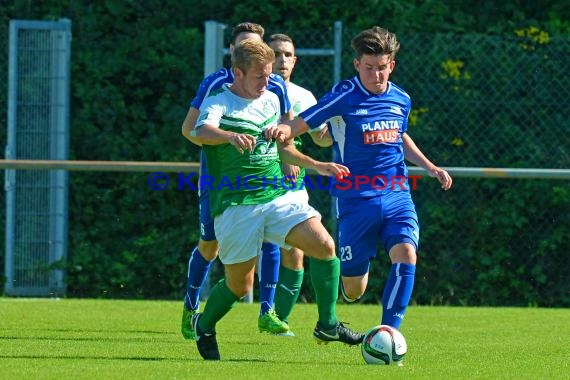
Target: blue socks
[(268, 275), (397, 294), (198, 268)]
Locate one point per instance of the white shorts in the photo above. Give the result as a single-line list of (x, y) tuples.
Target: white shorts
[(241, 229), (301, 195)]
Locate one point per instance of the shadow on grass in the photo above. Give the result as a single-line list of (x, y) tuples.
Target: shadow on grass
[(83, 338), (79, 330), (128, 358)]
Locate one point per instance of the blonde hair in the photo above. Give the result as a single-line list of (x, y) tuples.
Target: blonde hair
[(249, 52)]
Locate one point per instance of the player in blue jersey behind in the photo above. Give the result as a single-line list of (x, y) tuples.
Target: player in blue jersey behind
[(368, 118), (207, 250)]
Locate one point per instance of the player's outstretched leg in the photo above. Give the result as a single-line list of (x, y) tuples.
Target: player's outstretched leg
[(312, 238), (324, 276)]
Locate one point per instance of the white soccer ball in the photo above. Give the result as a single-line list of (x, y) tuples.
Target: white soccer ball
[(383, 344)]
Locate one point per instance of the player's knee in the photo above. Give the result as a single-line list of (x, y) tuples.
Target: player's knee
[(240, 289), (351, 295), (352, 290), (403, 253), (328, 248), (208, 249), (292, 258)]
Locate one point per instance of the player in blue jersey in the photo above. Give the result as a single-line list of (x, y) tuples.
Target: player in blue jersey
[(368, 118), (207, 250)]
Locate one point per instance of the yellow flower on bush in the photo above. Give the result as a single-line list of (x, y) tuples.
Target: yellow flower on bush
[(532, 36), (414, 116), (455, 70)]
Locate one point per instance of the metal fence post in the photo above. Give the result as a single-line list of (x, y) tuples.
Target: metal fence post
[(213, 46), (38, 128)]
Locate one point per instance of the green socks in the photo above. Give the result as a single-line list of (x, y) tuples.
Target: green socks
[(324, 277), (287, 291), (220, 302)]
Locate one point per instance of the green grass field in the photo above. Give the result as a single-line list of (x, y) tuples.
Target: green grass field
[(107, 339)]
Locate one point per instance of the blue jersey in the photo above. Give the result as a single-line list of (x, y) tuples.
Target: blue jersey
[(214, 82), (367, 132)]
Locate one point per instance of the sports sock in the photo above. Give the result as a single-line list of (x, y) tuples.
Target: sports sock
[(198, 268), (220, 302), (268, 274), (397, 293), (324, 277), (287, 292)]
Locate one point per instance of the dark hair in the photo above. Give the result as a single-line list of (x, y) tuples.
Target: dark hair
[(247, 27), (280, 37), (375, 41)]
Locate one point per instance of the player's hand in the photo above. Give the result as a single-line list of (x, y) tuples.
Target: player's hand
[(442, 176), (331, 169), (242, 142), (276, 133), (290, 171), (324, 134)]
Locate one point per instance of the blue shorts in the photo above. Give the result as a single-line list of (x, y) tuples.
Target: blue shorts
[(207, 232), (364, 223)]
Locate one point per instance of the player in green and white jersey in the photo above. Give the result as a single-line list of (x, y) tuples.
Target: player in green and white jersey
[(251, 206)]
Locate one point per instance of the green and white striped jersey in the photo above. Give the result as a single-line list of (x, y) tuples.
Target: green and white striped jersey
[(249, 178)]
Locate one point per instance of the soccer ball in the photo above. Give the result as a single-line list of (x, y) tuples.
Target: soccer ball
[(383, 344)]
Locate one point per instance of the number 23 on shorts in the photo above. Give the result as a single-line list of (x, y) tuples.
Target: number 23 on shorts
[(345, 253)]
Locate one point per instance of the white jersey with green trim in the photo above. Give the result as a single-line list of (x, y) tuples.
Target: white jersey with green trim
[(300, 99), (248, 178)]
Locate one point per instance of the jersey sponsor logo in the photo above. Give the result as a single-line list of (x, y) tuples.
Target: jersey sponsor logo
[(380, 125), (362, 111), (383, 131), (375, 137), (264, 152)]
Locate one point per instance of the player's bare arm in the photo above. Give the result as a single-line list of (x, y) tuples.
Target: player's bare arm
[(210, 135), (189, 124), (413, 154), (290, 171), (288, 153)]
